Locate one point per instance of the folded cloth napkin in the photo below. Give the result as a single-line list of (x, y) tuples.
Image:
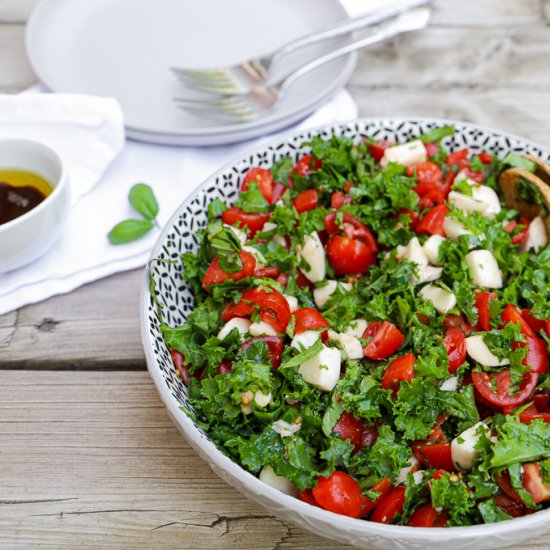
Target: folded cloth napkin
[(83, 254)]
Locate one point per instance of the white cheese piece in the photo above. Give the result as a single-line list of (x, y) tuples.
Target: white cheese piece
[(357, 328), (322, 370), (404, 472), (442, 299), (484, 269), (313, 253), (268, 476), (239, 233), (405, 154), (292, 302), (488, 196), (305, 339), (285, 429), (413, 252), (426, 273), (262, 399), (465, 202), (431, 248), (268, 226), (454, 229), (463, 450), (242, 325), (451, 384), (536, 238), (322, 294), (262, 329), (418, 476), (350, 344), (279, 239), (478, 350), (257, 255)]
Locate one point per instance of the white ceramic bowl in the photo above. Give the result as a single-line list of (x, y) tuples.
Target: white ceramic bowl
[(27, 237), (179, 236)]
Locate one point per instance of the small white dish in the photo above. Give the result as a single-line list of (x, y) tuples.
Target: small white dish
[(125, 49), (26, 238)]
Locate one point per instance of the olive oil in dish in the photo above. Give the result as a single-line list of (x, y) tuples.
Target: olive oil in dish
[(20, 192)]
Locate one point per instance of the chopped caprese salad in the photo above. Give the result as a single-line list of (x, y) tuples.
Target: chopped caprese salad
[(371, 332)]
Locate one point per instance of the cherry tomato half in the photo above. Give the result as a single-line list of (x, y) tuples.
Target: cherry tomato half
[(385, 342), (533, 482), (494, 387), (432, 222), (377, 149), (434, 452), (263, 178), (536, 324), (382, 487), (214, 274), (423, 516), (306, 200), (537, 354), (349, 256), (338, 199), (455, 344), (308, 318), (275, 345), (512, 314), (351, 227), (389, 506), (339, 493), (453, 320), (399, 369), (304, 166), (254, 222), (456, 157), (510, 506), (425, 172), (483, 312)]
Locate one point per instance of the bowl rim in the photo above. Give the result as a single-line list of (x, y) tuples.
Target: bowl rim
[(57, 188), (205, 447)]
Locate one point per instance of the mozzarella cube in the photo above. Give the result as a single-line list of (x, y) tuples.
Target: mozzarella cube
[(454, 229), (262, 399), (357, 328), (313, 253), (536, 238), (426, 273), (487, 196), (350, 344), (292, 302), (242, 325), (451, 384), (305, 339), (239, 233), (442, 299), (262, 329), (404, 472), (463, 450), (478, 350), (322, 370), (431, 248), (285, 429), (405, 154), (413, 252), (268, 476), (484, 269), (268, 226), (322, 294)]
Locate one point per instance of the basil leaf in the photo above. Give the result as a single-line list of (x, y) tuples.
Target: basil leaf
[(215, 209), (143, 200), (519, 161), (129, 230), (437, 134), (252, 201)]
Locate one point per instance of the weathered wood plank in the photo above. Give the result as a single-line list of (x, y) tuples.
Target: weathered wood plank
[(96, 326), (95, 461)]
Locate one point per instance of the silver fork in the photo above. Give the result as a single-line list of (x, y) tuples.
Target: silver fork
[(264, 99), (241, 78)]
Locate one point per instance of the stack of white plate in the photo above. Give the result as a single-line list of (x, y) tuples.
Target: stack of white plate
[(125, 48)]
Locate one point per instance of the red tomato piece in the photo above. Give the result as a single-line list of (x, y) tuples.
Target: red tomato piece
[(278, 191), (308, 318), (352, 228), (348, 186), (485, 158), (432, 149), (434, 452), (267, 273), (302, 281), (282, 279), (512, 314), (215, 275), (349, 428), (426, 173), (274, 309), (532, 413), (303, 167), (448, 183), (536, 324), (338, 199), (385, 342), (510, 506), (456, 157), (382, 487), (455, 344), (399, 369), (254, 222), (306, 200), (432, 222), (483, 312), (224, 367), (537, 354), (181, 368), (377, 149), (263, 178), (307, 496), (275, 345), (369, 437), (501, 382), (339, 493), (349, 256), (413, 216), (505, 484), (533, 482), (474, 175), (389, 506), (423, 516), (453, 320)]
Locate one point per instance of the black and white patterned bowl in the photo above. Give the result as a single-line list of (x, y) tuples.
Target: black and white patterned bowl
[(179, 236)]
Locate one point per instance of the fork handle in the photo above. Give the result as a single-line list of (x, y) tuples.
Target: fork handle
[(347, 26), (405, 22)]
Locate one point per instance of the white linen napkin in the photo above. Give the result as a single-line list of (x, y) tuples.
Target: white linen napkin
[(84, 254)]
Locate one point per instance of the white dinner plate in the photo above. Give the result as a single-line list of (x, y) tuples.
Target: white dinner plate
[(125, 48)]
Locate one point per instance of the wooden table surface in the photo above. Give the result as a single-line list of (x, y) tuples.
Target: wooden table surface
[(88, 455)]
